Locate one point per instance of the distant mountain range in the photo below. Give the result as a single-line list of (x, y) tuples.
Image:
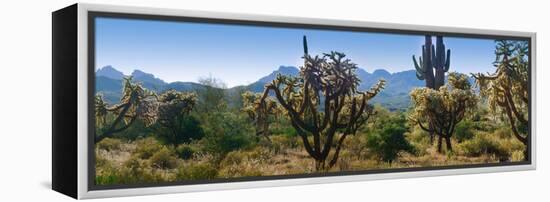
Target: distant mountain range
[(395, 95)]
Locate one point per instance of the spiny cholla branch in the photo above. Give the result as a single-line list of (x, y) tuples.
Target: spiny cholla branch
[(322, 100)]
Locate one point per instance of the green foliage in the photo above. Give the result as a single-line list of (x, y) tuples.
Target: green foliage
[(176, 125), (196, 171), (109, 144), (232, 158), (355, 146), (420, 140), (211, 98), (388, 141), (482, 144), (185, 151), (145, 148), (134, 170), (138, 130), (164, 159), (492, 144), (464, 131), (185, 131), (226, 131), (282, 126)]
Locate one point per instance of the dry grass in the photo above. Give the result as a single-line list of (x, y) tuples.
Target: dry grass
[(284, 156)]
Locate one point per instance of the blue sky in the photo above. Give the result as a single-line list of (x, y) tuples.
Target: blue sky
[(238, 55)]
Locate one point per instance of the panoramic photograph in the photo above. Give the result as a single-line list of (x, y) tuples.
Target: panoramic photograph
[(192, 102)]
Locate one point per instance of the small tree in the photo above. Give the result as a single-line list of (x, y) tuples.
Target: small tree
[(173, 115), (322, 101), (387, 142), (507, 89), (443, 108), (211, 96), (136, 103), (261, 113)]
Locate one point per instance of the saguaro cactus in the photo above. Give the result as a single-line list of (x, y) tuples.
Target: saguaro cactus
[(424, 69), (441, 61), (433, 58)]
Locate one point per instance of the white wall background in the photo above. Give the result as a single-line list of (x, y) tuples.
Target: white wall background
[(25, 102)]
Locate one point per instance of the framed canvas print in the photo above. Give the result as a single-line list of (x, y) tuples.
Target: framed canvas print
[(150, 101)]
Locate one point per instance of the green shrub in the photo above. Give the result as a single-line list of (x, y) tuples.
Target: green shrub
[(226, 132), (164, 159), (109, 144), (187, 130), (185, 151), (355, 145), (135, 131), (503, 132), (492, 143), (199, 171), (464, 131), (133, 171), (482, 143), (145, 148), (234, 142), (233, 158), (388, 141), (283, 127), (420, 140)]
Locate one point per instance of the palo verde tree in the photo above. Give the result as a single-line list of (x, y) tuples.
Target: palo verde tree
[(173, 115), (261, 113), (323, 102), (433, 65), (136, 103), (211, 96), (507, 89), (443, 109)]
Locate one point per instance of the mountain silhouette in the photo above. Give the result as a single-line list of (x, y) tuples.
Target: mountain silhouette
[(109, 72), (395, 95)]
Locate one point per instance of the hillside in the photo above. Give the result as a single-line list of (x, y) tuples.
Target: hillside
[(395, 96)]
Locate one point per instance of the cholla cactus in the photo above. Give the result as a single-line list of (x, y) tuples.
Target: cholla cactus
[(443, 109), (174, 107), (260, 112), (323, 100), (507, 89), (136, 103)]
